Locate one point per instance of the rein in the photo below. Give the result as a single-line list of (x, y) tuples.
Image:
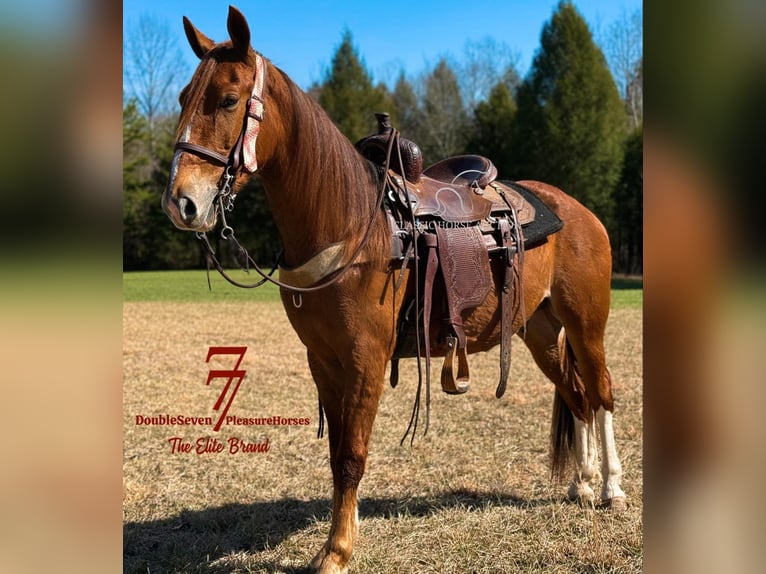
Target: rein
[(227, 233)]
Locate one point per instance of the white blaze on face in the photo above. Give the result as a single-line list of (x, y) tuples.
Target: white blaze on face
[(177, 157)]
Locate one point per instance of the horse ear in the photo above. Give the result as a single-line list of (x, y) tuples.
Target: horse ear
[(200, 43), (239, 31)]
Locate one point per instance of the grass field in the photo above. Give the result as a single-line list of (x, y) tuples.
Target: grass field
[(192, 286), (474, 495)]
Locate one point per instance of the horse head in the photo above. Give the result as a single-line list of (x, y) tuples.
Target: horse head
[(221, 116)]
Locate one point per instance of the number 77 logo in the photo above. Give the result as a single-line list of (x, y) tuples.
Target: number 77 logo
[(236, 374)]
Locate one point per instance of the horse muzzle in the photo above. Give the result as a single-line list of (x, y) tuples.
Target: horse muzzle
[(188, 213)]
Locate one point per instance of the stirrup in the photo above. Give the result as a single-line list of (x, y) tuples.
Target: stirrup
[(450, 384)]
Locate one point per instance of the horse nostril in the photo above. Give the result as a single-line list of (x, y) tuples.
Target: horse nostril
[(187, 209)]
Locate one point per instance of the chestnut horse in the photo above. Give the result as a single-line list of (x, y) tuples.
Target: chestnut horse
[(323, 193)]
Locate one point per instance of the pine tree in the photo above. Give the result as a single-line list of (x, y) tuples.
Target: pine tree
[(493, 122), (348, 95), (135, 158), (627, 240), (570, 123), (149, 240)]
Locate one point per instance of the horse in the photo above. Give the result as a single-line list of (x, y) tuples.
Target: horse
[(323, 196)]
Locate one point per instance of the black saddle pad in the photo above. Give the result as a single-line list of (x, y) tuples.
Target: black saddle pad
[(545, 222)]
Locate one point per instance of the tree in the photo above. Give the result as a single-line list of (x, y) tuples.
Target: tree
[(154, 70), (149, 240), (627, 238), (486, 62), (634, 95), (492, 126), (135, 158), (623, 45), (445, 122), (406, 109), (570, 122), (347, 93)]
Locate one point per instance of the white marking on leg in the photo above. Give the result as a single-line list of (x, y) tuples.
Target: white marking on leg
[(580, 488), (610, 462)]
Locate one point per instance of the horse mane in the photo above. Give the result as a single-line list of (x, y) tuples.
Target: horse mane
[(341, 187)]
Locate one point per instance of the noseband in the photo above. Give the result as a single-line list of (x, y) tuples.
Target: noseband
[(243, 152)]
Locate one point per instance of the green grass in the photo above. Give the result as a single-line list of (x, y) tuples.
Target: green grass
[(627, 298), (627, 292), (191, 286)]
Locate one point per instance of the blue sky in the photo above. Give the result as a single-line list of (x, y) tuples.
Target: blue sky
[(301, 36)]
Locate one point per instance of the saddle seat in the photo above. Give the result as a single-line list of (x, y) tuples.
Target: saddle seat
[(466, 170), (459, 202)]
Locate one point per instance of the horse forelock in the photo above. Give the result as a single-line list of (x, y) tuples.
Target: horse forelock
[(203, 75), (195, 92)]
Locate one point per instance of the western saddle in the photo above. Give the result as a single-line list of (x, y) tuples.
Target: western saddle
[(455, 218)]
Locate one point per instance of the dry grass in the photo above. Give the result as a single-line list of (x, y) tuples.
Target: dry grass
[(472, 496)]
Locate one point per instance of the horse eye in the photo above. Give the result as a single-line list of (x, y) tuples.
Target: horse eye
[(229, 102)]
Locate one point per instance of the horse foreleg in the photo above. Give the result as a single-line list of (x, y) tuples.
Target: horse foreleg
[(350, 397)]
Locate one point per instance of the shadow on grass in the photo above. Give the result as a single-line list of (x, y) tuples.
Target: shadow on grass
[(192, 540)]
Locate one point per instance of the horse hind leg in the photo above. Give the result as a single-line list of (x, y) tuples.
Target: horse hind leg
[(585, 348), (611, 491), (586, 474), (573, 426)]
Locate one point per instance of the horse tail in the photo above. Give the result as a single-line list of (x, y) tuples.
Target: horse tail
[(562, 437), (562, 423)]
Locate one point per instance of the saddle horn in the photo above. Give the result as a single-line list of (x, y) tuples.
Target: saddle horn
[(374, 148)]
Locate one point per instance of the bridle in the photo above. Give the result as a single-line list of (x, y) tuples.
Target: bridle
[(242, 155)]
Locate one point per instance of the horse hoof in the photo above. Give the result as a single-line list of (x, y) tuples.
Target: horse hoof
[(323, 563), (616, 504), (581, 494), (585, 500)]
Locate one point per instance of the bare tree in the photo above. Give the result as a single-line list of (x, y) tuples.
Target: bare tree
[(154, 70), (485, 63), (634, 95), (445, 121), (623, 47)]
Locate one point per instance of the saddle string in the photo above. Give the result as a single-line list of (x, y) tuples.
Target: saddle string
[(517, 233)]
